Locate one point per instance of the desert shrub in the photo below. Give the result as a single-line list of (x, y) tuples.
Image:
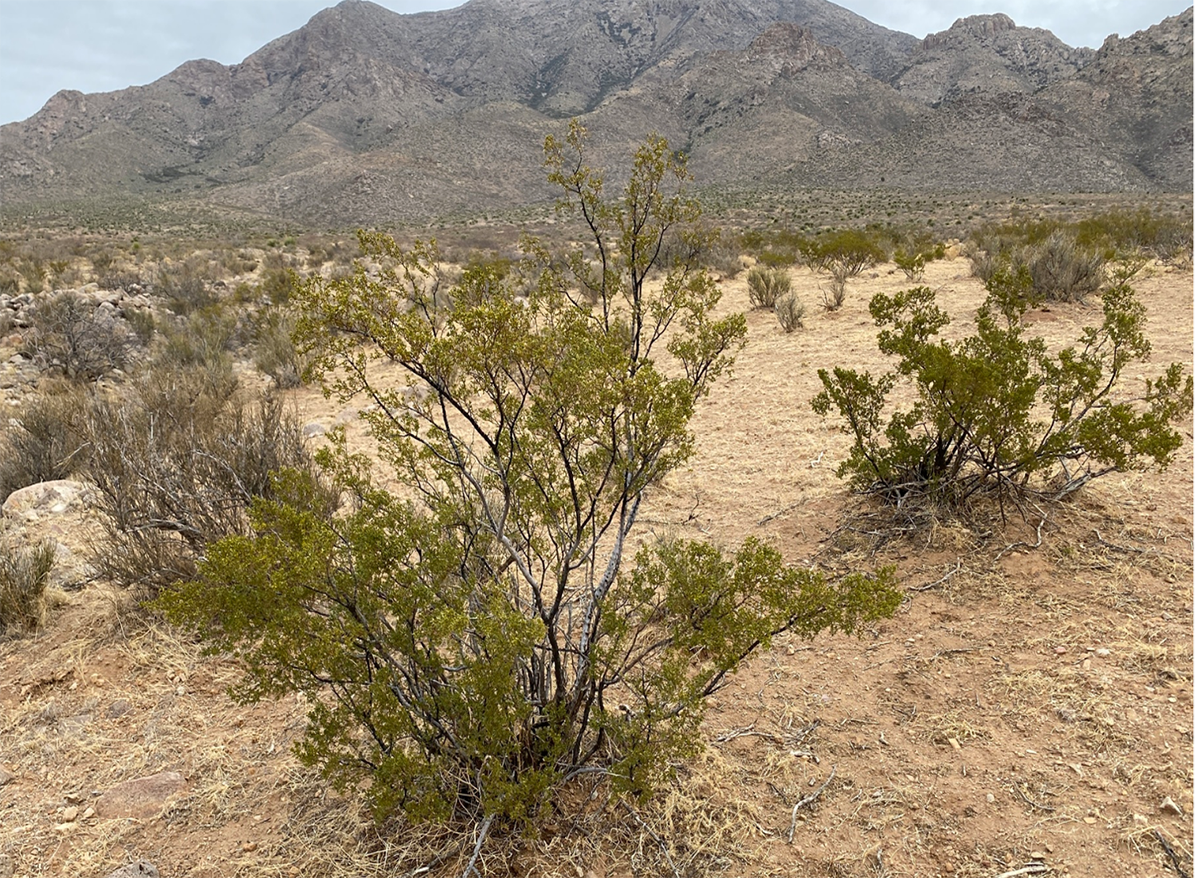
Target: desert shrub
[(914, 251), (1121, 231), (842, 254), (33, 270), (141, 321), (1060, 269), (277, 284), (42, 440), (112, 279), (176, 462), (185, 286), (275, 352), (205, 338), (846, 253), (24, 574), (789, 311), (767, 286), (476, 644), (68, 333), (998, 413), (725, 255)]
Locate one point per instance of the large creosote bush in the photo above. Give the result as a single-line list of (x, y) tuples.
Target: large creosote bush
[(481, 639), (998, 412)]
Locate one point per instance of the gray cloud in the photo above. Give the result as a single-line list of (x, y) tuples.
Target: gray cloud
[(104, 45)]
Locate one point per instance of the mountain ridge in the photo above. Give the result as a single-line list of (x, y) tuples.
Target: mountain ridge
[(365, 115)]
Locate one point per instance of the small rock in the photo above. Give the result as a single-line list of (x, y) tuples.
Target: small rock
[(249, 846), (141, 869), (1060, 650), (88, 814), (6, 776), (70, 813), (1102, 652), (990, 798), (1168, 804)]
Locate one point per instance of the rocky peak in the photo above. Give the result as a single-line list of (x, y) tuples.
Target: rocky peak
[(981, 27), (793, 46)]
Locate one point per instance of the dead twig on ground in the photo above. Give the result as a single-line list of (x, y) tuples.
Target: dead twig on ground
[(1166, 846), (808, 800), (1031, 869), (654, 835), (1016, 785), (1012, 547), (938, 582)]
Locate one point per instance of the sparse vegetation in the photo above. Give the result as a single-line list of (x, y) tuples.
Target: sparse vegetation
[(42, 440), (177, 460), (73, 335)]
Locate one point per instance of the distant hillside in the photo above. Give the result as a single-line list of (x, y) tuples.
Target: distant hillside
[(367, 116)]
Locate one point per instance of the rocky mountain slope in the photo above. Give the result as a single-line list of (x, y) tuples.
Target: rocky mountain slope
[(364, 115)]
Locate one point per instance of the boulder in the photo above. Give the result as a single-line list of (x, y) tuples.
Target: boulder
[(142, 797)]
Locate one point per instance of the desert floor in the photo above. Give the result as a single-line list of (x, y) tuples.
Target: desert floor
[(1029, 709)]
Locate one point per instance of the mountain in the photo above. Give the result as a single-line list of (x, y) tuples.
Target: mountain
[(366, 116)]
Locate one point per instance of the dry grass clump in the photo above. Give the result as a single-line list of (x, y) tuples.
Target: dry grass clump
[(768, 286), (24, 573), (43, 439)]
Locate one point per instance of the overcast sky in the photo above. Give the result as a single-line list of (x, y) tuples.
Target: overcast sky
[(104, 45)]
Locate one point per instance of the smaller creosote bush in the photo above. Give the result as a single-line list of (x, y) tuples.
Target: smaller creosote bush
[(72, 335), (789, 310), (767, 285), (999, 413), (24, 574), (43, 440)]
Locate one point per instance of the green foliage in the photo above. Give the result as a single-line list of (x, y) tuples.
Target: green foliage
[(845, 253), (767, 286), (1123, 231), (24, 574), (472, 647), (998, 410), (913, 251)]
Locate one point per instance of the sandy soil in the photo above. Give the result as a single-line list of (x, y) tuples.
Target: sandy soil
[(1027, 711)]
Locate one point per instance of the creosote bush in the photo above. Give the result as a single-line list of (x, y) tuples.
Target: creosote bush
[(482, 640), (767, 285), (998, 413)]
